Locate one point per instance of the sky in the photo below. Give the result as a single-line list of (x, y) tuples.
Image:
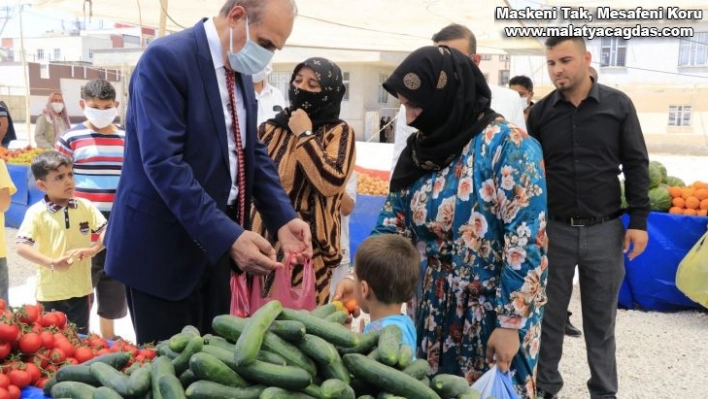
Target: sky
[(36, 22)]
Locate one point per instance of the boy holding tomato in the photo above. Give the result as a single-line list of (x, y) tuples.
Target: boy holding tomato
[(56, 235)]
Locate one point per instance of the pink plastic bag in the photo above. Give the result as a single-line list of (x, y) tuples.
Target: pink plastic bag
[(301, 298), (240, 295)]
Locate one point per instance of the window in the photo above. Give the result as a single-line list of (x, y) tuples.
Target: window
[(614, 52), (345, 81), (503, 77), (40, 54), (486, 57), (57, 54), (383, 94), (90, 54), (679, 115), (280, 80), (503, 58), (693, 51)]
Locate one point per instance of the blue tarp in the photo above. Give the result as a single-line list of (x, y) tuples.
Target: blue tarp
[(26, 195), (363, 218)]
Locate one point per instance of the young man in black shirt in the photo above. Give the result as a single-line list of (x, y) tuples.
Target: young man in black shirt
[(589, 134)]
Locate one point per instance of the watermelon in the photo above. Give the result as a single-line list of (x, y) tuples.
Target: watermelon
[(655, 175), (674, 181), (662, 169), (660, 198)]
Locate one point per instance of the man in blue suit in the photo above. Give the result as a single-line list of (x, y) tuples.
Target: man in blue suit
[(180, 225)]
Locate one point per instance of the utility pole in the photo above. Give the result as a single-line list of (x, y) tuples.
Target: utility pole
[(25, 72), (163, 19)]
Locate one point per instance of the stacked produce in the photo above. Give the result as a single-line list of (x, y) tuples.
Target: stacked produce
[(370, 184), (689, 200), (277, 353), (20, 156)]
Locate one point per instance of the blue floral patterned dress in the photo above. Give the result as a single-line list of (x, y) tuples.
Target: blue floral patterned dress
[(480, 225)]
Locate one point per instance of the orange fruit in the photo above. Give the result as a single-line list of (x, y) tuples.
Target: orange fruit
[(692, 202), (687, 192), (704, 204), (675, 192), (676, 210), (690, 212), (678, 202), (350, 305), (701, 193), (702, 212)]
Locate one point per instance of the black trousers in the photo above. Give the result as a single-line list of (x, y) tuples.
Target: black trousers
[(156, 319), (77, 310)]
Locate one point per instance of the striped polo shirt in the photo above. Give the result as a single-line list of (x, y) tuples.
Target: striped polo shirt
[(98, 160)]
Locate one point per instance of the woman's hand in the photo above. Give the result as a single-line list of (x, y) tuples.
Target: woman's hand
[(502, 346), (344, 292), (299, 122)]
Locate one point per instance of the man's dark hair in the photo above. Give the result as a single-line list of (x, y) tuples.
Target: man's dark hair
[(254, 8), (556, 40), (454, 32), (48, 161), (98, 89), (523, 81), (390, 264)]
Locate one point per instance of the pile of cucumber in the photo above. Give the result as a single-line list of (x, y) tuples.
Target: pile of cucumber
[(276, 353)]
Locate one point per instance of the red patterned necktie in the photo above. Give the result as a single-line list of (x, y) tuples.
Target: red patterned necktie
[(231, 85)]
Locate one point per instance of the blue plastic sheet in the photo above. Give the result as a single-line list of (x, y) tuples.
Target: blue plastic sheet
[(650, 278), (363, 218), (26, 195), (33, 393)]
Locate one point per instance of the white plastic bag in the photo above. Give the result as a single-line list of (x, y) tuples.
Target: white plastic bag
[(495, 383)]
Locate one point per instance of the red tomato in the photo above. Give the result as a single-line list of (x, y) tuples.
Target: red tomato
[(140, 359), (47, 339), (5, 349), (14, 392), (83, 354), (119, 346), (98, 343), (30, 343), (57, 356), (4, 394), (71, 360), (9, 332), (50, 319), (4, 381), (132, 349), (33, 371), (21, 378), (3, 305), (148, 353), (51, 369), (41, 382), (37, 327), (61, 318), (29, 314), (65, 346), (103, 351)]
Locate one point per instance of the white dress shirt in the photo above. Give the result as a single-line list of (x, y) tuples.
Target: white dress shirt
[(504, 101), (268, 98), (218, 58)]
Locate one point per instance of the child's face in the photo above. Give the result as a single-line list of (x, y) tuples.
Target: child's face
[(59, 184), (361, 293)]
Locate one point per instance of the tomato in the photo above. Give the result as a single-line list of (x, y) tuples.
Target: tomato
[(30, 343), (57, 356), (50, 319), (130, 348), (14, 392), (4, 381), (41, 358), (83, 354), (21, 378), (29, 314), (102, 352), (47, 339), (33, 371), (59, 337), (350, 305), (61, 318), (71, 360), (148, 353), (4, 394), (3, 305), (65, 346), (140, 359), (119, 346), (98, 343), (51, 369), (5, 349), (9, 332)]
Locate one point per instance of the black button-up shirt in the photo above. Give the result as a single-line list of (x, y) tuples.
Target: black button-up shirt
[(584, 148)]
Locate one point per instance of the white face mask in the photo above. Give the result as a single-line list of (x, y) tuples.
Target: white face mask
[(251, 58), (100, 118), (57, 107)]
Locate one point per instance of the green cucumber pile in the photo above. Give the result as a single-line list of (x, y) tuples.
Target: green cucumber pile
[(276, 353)]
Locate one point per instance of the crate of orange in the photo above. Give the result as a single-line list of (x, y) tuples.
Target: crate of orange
[(690, 200)]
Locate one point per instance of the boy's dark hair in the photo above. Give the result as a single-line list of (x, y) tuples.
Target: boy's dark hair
[(454, 32), (390, 264), (48, 161), (523, 81), (556, 40), (98, 89)]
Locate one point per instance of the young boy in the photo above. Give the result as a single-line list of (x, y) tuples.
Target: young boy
[(386, 270), (96, 148), (56, 235)]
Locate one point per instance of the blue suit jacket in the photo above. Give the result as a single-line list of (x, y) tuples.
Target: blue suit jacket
[(168, 222)]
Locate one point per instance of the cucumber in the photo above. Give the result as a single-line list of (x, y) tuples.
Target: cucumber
[(166, 351), (336, 389), (337, 334), (139, 382), (232, 326), (211, 390), (289, 330), (131, 368), (324, 310), (161, 365), (313, 390), (49, 384), (106, 393), (387, 378), (367, 342), (191, 330), (418, 369), (287, 377), (271, 357), (78, 373), (251, 338), (374, 354), (109, 377), (219, 343), (471, 394), (337, 317), (389, 345), (187, 378), (117, 360), (170, 387), (386, 395), (336, 370), (318, 349), (180, 341), (405, 356), (72, 389), (208, 367), (181, 362), (365, 397), (449, 386), (280, 393)]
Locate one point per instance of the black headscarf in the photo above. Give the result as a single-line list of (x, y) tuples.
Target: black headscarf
[(322, 107), (455, 99)]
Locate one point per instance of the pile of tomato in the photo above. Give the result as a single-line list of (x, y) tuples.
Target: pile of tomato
[(34, 344)]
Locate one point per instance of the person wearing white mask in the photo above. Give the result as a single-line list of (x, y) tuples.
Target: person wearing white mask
[(192, 166), (96, 149), (53, 121), (524, 86), (270, 98)]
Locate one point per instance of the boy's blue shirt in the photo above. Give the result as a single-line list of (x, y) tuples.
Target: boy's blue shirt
[(402, 321)]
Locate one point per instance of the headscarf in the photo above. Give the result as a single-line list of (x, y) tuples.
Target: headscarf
[(53, 117), (322, 107), (455, 102)]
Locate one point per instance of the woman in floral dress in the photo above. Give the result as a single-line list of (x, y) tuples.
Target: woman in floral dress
[(470, 191)]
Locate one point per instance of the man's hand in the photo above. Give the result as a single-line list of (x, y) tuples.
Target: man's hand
[(637, 239), (63, 263), (299, 122), (253, 253), (296, 239), (502, 346)]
